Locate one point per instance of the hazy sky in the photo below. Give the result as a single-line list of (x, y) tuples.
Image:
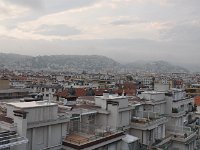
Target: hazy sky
[(126, 30)]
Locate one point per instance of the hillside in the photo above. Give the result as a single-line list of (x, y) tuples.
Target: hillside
[(58, 62), (79, 63), (155, 66)]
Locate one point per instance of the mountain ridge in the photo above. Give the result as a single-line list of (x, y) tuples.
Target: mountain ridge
[(81, 62)]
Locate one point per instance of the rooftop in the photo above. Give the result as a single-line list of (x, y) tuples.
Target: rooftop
[(153, 92), (89, 135), (14, 90), (111, 97), (31, 104)]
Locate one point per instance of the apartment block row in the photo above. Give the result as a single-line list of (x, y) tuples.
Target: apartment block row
[(151, 120)]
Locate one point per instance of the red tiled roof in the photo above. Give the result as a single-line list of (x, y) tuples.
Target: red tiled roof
[(197, 100), (64, 93), (80, 92)]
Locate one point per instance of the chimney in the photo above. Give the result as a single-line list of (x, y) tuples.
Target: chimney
[(105, 94)]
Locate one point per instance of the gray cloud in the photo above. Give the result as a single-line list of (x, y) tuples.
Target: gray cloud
[(53, 5), (178, 44), (28, 3), (126, 21), (4, 11), (183, 32), (58, 30)]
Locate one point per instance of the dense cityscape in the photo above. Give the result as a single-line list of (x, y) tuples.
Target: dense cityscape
[(114, 111), (99, 75)]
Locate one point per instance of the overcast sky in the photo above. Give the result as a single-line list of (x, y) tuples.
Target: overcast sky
[(126, 30)]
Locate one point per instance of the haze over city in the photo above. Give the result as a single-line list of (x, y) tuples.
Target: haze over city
[(99, 75), (125, 30)]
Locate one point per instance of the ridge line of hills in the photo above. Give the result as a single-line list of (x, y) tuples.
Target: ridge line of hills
[(81, 63)]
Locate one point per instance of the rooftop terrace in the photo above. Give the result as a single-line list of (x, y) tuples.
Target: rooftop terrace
[(85, 135)]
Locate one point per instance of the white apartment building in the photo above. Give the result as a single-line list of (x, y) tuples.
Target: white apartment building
[(104, 128), (39, 123), (45, 90), (147, 121), (176, 108), (146, 81), (108, 122)]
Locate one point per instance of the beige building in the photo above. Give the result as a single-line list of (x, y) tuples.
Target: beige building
[(4, 83)]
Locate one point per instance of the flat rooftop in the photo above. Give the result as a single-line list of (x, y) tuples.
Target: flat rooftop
[(84, 140), (112, 97), (31, 104), (14, 91), (153, 92)]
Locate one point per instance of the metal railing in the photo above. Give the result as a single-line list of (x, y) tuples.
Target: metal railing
[(180, 132), (148, 123), (79, 133), (146, 114)]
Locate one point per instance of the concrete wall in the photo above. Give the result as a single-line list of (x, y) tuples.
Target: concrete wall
[(42, 113), (149, 136), (138, 133), (153, 96), (159, 108), (102, 119), (161, 87), (123, 103), (125, 118), (101, 102), (182, 146), (36, 114), (113, 118), (46, 136)]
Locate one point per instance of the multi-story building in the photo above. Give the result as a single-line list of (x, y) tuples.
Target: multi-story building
[(39, 123), (109, 122), (46, 90), (104, 127), (148, 122)]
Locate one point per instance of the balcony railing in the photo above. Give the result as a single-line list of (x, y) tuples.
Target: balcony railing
[(180, 133), (146, 114), (144, 123), (80, 134)]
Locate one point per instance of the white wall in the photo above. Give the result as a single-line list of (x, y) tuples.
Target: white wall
[(113, 116)]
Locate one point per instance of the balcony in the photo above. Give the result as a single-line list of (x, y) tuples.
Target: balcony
[(10, 139), (177, 112), (147, 120), (181, 134), (84, 136)]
